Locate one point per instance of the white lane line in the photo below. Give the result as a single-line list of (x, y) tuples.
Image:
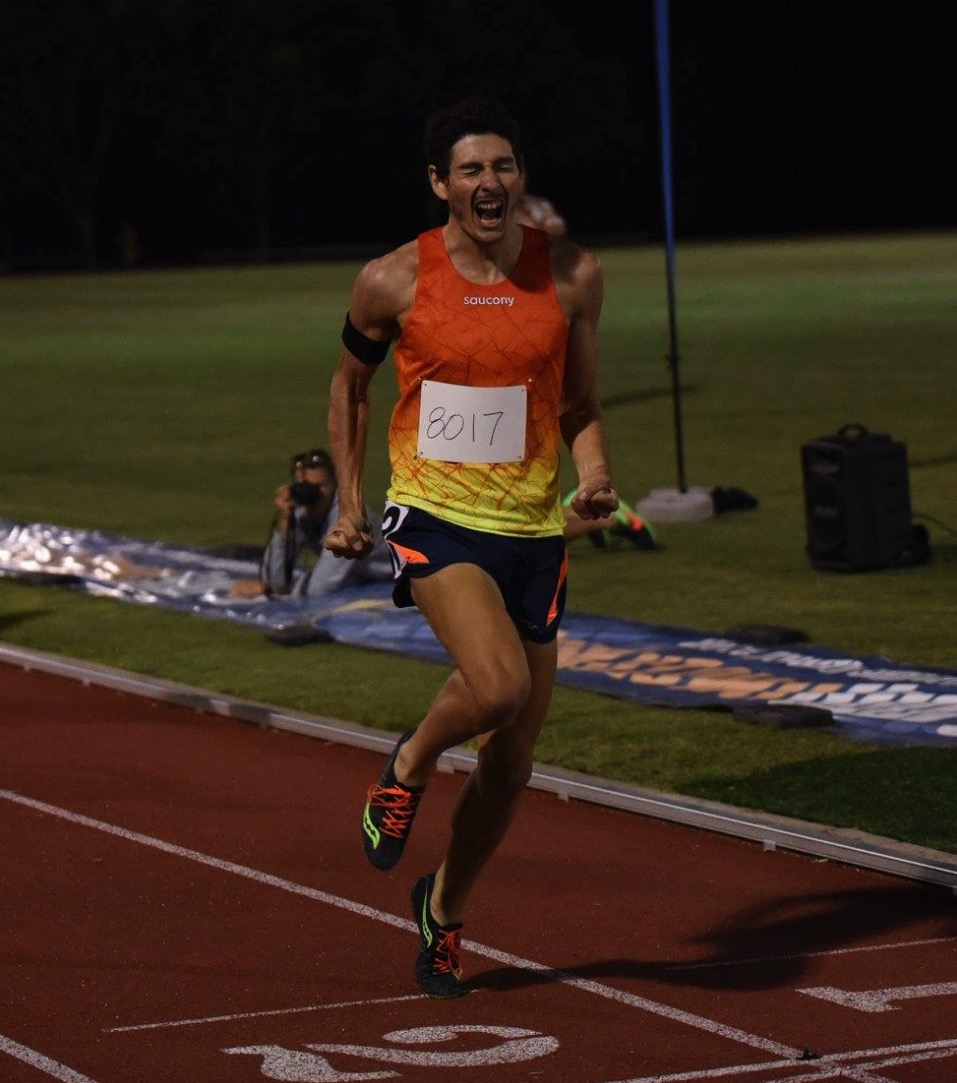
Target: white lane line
[(879, 1000), (596, 989), (828, 1066), (255, 1015), (862, 1073), (44, 1064), (915, 1058), (856, 1075), (814, 954)]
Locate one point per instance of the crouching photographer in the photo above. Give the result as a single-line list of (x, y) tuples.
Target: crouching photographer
[(307, 507)]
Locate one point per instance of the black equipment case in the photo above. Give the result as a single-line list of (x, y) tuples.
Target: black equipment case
[(857, 502)]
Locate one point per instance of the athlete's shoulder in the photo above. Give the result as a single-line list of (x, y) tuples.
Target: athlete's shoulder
[(577, 274), (386, 284), (394, 268), (571, 260)]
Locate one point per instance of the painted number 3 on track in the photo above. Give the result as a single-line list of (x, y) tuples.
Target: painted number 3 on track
[(298, 1066)]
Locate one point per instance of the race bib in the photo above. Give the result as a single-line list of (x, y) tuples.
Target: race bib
[(472, 424)]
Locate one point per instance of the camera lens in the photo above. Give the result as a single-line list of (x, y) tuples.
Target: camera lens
[(304, 493)]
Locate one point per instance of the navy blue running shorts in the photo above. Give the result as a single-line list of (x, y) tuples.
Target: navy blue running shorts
[(530, 572)]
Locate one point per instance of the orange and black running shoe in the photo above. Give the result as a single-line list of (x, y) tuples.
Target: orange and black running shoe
[(388, 815), (437, 969)]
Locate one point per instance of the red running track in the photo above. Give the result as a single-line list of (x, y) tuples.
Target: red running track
[(185, 899)]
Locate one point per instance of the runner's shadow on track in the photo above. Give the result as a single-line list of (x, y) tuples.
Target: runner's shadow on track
[(770, 945)]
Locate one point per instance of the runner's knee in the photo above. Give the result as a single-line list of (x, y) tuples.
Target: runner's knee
[(499, 697)]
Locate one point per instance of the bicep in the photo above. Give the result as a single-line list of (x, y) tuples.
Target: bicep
[(581, 362), (580, 286)]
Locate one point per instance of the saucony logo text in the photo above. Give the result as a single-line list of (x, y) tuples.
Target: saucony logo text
[(507, 301)]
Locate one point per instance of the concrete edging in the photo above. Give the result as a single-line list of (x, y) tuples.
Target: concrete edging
[(773, 832)]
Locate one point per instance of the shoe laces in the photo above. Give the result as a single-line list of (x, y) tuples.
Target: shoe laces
[(446, 958), (399, 804)]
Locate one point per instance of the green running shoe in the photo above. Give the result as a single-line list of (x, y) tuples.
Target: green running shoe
[(630, 525), (437, 969), (388, 815)]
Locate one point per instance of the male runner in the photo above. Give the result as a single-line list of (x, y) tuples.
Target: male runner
[(495, 328)]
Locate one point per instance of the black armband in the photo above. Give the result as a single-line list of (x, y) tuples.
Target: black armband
[(368, 350)]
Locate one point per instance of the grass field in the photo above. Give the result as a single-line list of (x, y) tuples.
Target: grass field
[(164, 404)]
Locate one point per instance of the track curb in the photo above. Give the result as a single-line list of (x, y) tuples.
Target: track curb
[(848, 847)]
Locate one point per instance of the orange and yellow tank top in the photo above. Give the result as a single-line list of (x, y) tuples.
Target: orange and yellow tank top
[(462, 335)]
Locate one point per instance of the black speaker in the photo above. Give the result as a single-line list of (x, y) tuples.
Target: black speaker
[(857, 501)]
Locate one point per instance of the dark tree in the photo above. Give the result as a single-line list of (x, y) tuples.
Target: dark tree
[(67, 68)]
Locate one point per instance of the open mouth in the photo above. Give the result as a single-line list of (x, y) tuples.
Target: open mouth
[(490, 212)]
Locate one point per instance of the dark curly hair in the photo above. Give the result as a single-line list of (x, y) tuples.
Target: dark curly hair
[(473, 116)]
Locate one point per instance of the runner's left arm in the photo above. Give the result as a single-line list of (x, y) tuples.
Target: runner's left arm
[(581, 420)]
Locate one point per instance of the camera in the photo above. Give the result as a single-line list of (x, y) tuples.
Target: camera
[(304, 493)]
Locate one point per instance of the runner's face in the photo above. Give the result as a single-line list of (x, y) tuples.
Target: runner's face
[(483, 187)]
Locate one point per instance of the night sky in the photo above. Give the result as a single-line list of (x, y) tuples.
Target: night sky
[(245, 128)]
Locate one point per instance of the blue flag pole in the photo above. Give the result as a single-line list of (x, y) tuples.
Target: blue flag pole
[(662, 52), (681, 503)]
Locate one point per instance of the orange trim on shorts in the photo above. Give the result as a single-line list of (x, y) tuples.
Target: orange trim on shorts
[(562, 576), (410, 556)]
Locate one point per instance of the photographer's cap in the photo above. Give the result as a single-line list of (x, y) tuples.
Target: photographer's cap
[(310, 459)]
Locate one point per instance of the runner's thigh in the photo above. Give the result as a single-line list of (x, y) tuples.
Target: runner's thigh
[(464, 607)]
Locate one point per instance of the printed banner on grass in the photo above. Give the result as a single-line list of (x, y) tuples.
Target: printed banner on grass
[(869, 698)]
